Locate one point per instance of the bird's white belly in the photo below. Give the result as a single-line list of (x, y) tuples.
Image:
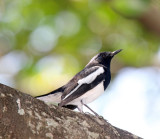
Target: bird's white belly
[(89, 96)]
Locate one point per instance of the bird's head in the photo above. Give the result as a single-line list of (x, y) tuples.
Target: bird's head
[(103, 58)]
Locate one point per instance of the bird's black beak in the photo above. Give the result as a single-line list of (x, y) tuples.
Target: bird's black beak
[(115, 52)]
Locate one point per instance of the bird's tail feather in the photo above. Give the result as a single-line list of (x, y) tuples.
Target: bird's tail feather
[(54, 96)]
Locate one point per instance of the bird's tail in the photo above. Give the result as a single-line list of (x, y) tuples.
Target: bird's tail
[(52, 97)]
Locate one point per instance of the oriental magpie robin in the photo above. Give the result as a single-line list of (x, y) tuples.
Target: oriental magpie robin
[(85, 86)]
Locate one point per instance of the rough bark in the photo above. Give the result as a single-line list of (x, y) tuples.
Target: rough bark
[(24, 117)]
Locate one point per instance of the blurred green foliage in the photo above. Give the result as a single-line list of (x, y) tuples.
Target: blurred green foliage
[(52, 40), (131, 8)]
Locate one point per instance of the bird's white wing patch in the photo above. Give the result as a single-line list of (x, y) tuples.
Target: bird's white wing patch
[(87, 80), (91, 77)]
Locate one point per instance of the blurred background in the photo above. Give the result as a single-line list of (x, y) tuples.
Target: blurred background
[(43, 44)]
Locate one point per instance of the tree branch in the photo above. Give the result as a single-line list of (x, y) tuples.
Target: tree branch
[(22, 116)]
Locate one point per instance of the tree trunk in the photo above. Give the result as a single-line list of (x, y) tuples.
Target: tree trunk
[(24, 117)]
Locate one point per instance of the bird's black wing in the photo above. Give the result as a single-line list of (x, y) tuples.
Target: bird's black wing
[(85, 80)]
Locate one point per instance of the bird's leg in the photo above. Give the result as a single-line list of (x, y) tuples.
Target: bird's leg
[(80, 107), (89, 108)]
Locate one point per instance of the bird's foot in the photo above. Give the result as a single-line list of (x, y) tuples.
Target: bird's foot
[(96, 115)]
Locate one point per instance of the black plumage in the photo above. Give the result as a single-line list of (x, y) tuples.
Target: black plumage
[(86, 85)]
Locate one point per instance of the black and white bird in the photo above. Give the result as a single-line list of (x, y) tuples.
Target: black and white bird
[(85, 86)]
